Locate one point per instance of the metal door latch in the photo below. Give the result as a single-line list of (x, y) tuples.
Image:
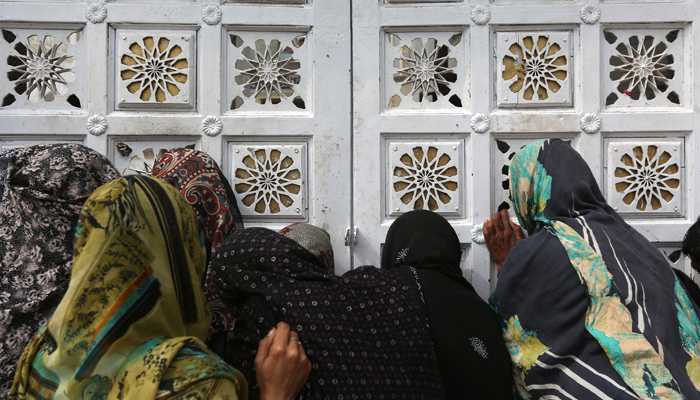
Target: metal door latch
[(354, 236)]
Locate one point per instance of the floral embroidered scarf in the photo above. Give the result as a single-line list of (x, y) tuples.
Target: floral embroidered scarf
[(42, 189), (589, 308)]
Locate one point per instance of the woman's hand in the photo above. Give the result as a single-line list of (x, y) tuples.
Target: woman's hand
[(281, 365), (501, 235)]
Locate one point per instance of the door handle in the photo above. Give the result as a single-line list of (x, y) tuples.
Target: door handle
[(349, 237)]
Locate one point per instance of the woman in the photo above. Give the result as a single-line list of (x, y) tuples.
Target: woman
[(364, 332), (197, 177), (42, 189), (590, 309), (314, 239), (423, 247), (133, 320)]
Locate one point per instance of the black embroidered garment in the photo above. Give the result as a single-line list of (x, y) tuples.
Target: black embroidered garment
[(42, 189), (363, 332), (474, 363)]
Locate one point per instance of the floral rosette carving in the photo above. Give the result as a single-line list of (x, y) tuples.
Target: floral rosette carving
[(590, 13), (480, 123), (212, 125), (211, 14), (426, 178), (590, 123), (481, 14), (96, 124), (96, 12)]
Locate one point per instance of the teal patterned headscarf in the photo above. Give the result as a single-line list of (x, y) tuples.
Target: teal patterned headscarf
[(531, 187), (637, 311)]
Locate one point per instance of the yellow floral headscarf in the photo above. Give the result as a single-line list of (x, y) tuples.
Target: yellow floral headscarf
[(133, 320)]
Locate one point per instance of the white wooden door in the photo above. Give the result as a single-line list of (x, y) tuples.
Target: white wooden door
[(262, 86), (446, 91), (443, 91)]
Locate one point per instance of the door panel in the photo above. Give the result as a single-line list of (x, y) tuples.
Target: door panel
[(262, 86), (614, 78)]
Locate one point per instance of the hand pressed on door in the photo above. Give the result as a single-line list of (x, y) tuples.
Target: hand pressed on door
[(501, 235)]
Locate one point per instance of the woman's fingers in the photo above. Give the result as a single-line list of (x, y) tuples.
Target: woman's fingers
[(284, 369), (487, 229), (496, 222), (264, 347), (281, 339), (517, 230), (507, 231), (304, 362), (293, 345)]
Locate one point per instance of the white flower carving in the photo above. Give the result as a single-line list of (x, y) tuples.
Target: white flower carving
[(590, 123), (212, 125), (481, 14), (478, 234), (96, 124), (141, 164), (642, 67), (211, 14), (96, 12), (590, 13), (481, 123)]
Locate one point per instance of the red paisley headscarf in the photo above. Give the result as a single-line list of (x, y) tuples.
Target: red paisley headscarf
[(197, 176)]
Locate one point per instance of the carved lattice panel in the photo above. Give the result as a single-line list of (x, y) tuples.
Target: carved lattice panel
[(505, 150), (268, 71), (673, 254), (425, 176), (676, 259), (137, 156), (643, 67), (424, 70), (155, 69), (43, 69), (270, 180), (644, 177), (534, 69)]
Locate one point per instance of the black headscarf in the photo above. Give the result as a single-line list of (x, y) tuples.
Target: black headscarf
[(471, 354), (363, 332)]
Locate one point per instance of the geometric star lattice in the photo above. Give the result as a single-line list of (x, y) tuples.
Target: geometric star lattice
[(644, 67), (534, 69), (41, 68), (270, 180), (267, 73), (645, 177)]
